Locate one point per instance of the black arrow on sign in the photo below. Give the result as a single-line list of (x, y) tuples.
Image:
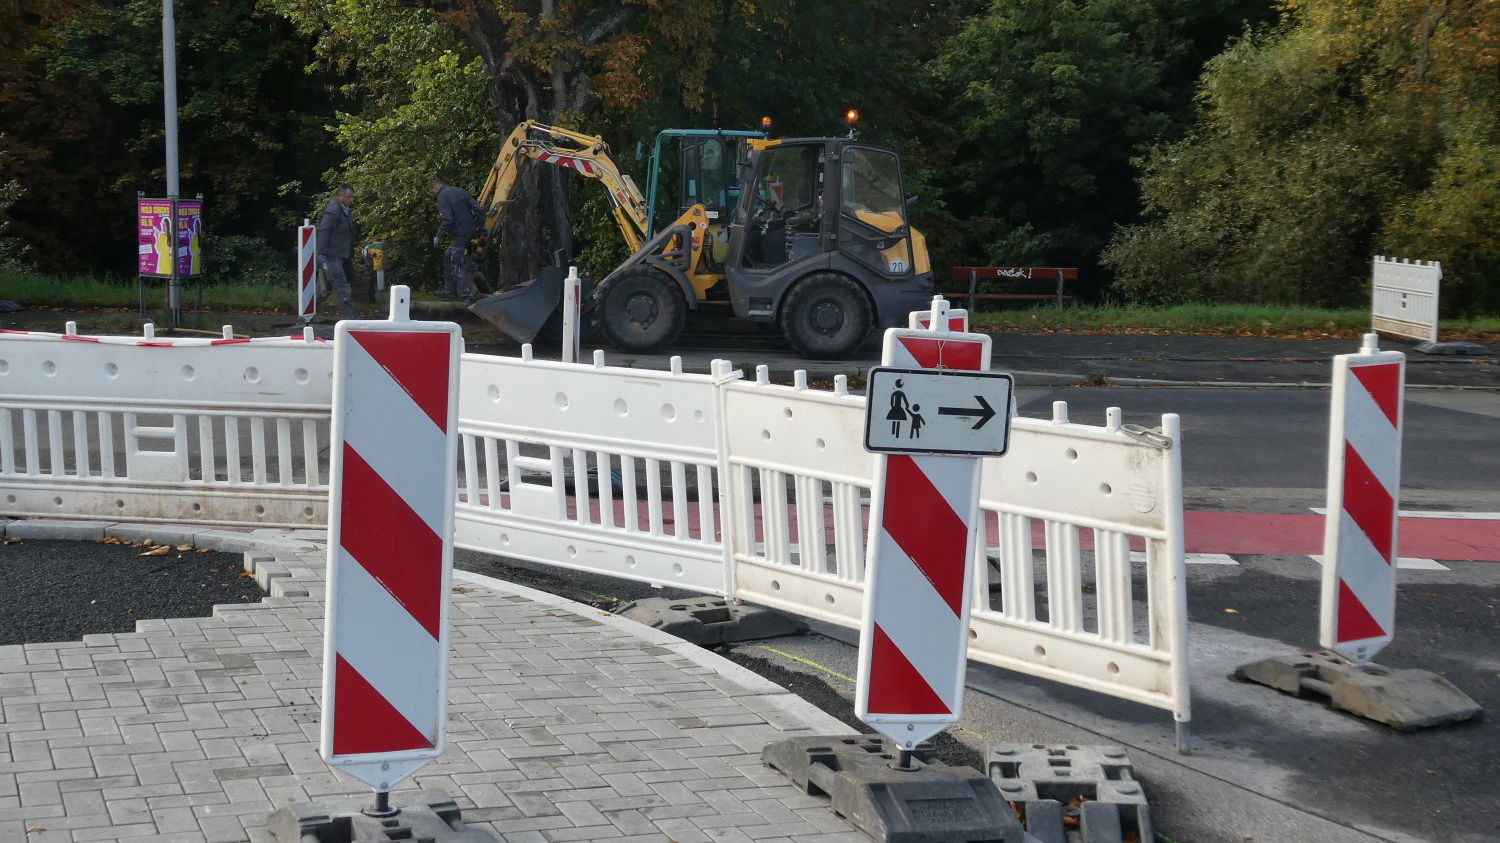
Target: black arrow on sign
[(984, 411)]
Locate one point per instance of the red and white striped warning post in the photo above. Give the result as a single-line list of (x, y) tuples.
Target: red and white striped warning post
[(913, 644), (1364, 495), (390, 545), (307, 272), (958, 319)]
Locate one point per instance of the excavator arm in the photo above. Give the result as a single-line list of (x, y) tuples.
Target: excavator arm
[(587, 155)]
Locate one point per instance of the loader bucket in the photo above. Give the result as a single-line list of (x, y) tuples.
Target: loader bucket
[(522, 313)]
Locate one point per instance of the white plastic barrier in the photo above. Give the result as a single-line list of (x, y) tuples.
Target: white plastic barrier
[(229, 431), (1404, 297), (699, 482), (555, 456), (1063, 510)]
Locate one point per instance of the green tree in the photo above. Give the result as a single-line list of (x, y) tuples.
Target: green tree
[(1348, 130), (83, 124), (1051, 98)]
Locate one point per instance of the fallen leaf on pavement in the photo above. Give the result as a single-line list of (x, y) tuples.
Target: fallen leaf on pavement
[(156, 551), (461, 589), (1231, 611), (10, 540), (184, 547), (34, 829), (247, 575)]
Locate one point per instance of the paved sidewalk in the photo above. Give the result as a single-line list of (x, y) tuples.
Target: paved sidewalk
[(565, 723)]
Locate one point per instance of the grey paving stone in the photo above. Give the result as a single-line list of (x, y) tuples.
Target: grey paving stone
[(563, 725)]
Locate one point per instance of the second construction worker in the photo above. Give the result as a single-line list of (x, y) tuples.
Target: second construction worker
[(461, 215)]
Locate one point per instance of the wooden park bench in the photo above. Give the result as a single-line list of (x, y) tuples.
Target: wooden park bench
[(974, 274)]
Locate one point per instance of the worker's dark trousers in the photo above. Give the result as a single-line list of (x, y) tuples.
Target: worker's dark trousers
[(455, 279), (336, 274)]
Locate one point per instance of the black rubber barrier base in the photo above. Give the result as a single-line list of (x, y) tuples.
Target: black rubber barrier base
[(708, 621), (1403, 699), (425, 817), (927, 802)]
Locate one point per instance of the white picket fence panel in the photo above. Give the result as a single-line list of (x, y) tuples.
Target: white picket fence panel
[(700, 482), (132, 428), (1062, 510), (592, 468), (1404, 297)]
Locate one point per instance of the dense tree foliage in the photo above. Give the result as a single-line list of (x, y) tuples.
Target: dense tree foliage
[(1350, 129), (1226, 149)]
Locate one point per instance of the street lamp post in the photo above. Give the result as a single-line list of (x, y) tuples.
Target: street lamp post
[(169, 97)]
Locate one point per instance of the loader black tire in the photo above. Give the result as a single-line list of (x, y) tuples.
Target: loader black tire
[(640, 310), (826, 316)]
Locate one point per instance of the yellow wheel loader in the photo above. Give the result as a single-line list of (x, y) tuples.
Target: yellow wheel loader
[(810, 234)]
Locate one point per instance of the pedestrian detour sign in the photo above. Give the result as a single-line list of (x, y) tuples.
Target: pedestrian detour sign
[(938, 411)]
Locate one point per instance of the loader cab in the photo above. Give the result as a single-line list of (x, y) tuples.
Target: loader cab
[(831, 205)]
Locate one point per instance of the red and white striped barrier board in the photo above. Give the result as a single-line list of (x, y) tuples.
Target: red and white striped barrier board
[(307, 272), (390, 544), (958, 319), (914, 636), (569, 162), (1364, 495)]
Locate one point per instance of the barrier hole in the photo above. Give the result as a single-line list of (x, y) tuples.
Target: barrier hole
[(505, 538), (260, 510), (10, 498), (302, 376), (57, 501), (1073, 455), (1106, 488), (4, 367), (821, 444), (765, 434), (621, 408), (572, 551), (119, 504), (775, 585), (698, 415), (1031, 477), (668, 412), (307, 510), (972, 634), (786, 411), (630, 561), (111, 370), (828, 598), (197, 507), (49, 368), (1113, 668), (1041, 652), (188, 373), (677, 568), (252, 375), (561, 400), (493, 392)]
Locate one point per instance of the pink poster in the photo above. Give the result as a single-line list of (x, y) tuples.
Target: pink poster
[(154, 243)]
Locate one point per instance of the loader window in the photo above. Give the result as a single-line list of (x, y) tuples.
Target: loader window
[(705, 170), (872, 188), (785, 216)]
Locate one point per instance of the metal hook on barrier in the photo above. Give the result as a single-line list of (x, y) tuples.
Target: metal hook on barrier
[(1113, 418), (71, 329), (228, 332), (1149, 435), (762, 375), (148, 331), (676, 365), (526, 352), (598, 358), (799, 379), (841, 386), (1059, 412)]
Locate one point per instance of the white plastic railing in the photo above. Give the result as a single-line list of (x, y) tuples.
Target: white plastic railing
[(1404, 297), (1069, 513), (592, 468), (229, 431), (702, 482)]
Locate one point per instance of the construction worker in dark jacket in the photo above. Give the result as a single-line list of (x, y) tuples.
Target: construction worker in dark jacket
[(461, 215), (336, 248)]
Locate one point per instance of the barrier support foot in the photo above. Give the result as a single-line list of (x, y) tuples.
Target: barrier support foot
[(708, 621), (925, 801), (1403, 699), (1072, 794), (423, 815)]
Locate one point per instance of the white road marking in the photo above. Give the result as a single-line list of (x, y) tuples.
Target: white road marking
[(1406, 563)]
